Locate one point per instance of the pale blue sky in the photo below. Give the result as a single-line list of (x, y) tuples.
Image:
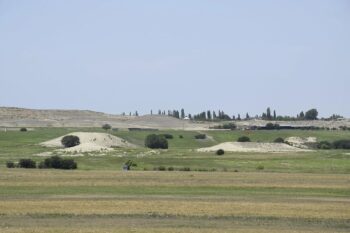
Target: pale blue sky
[(116, 56)]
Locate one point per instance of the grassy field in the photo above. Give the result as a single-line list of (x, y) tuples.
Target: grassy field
[(294, 192)]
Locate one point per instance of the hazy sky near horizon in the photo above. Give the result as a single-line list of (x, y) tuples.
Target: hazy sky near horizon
[(121, 56)]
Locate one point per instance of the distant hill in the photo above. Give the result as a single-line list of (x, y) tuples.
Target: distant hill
[(21, 117)]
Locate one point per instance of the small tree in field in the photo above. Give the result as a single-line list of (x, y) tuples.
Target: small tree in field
[(311, 114), (220, 152), (154, 141), (27, 163), (279, 140), (243, 139), (70, 141), (106, 126)]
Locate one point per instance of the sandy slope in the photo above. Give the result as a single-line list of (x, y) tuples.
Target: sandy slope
[(252, 147), (90, 142)]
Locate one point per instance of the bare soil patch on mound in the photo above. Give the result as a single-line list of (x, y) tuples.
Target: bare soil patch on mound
[(90, 142), (252, 147)]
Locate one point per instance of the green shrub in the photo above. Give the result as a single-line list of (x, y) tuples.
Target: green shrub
[(57, 162), (68, 164), (53, 162), (279, 140), (70, 141), (154, 141), (41, 165), (181, 137), (167, 136), (243, 139), (129, 164), (260, 167), (23, 130), (200, 136), (185, 169), (341, 144), (27, 163), (231, 126), (324, 145), (106, 126), (220, 152), (270, 126), (171, 169), (161, 168), (10, 164)]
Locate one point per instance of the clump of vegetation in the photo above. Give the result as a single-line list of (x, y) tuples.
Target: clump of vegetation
[(279, 140), (231, 126), (160, 168), (70, 141), (260, 167), (167, 136), (181, 137), (270, 126), (185, 169), (220, 152), (23, 130), (57, 162), (338, 144), (154, 141), (200, 136), (27, 163), (324, 145), (243, 139), (171, 169), (311, 114), (106, 126), (10, 164), (129, 164), (341, 144)]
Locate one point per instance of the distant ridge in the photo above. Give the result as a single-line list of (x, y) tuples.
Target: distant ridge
[(24, 117)]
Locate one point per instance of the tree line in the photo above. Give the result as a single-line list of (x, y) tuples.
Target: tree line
[(212, 115)]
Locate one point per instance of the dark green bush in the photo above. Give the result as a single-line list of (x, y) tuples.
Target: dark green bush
[(279, 140), (341, 144), (57, 162), (10, 164), (154, 141), (220, 152), (41, 165), (167, 136), (181, 137), (53, 162), (200, 136), (324, 145), (185, 169), (171, 169), (106, 126), (68, 164), (243, 139), (70, 141), (260, 167), (27, 163), (23, 130), (270, 126), (129, 164)]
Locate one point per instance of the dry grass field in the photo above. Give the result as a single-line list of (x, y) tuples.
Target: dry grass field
[(292, 192), (109, 201)]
